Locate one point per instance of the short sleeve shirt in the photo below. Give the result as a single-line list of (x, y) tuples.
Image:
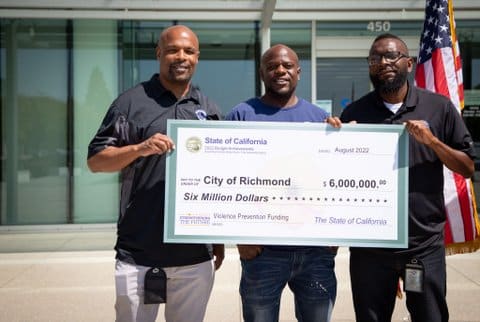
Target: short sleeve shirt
[(132, 118), (427, 214)]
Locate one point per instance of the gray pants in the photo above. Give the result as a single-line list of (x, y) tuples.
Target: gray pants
[(188, 291)]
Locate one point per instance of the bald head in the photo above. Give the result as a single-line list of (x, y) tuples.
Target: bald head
[(276, 50), (177, 31), (387, 37)]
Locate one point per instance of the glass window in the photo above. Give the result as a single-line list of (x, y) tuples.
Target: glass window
[(226, 69), (58, 79), (468, 33), (298, 36), (96, 82), (34, 121), (137, 55), (341, 80)]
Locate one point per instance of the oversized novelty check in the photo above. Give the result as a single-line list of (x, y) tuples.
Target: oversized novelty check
[(287, 184)]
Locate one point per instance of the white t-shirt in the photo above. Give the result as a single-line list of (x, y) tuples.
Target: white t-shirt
[(393, 107)]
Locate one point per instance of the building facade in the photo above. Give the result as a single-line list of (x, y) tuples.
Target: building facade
[(63, 62)]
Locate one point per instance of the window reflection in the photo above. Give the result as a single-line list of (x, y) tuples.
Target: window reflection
[(34, 121), (43, 123)]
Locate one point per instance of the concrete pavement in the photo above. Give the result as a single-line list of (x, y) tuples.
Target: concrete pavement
[(68, 276)]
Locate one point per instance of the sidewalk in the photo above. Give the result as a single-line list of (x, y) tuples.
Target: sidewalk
[(68, 276)]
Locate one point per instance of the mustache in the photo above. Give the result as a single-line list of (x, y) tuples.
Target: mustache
[(179, 64)]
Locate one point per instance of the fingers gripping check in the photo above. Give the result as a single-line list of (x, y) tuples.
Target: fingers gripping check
[(156, 144)]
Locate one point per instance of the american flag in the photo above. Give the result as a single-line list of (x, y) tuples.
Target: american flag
[(439, 70)]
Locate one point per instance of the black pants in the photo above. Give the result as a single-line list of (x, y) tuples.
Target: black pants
[(374, 279)]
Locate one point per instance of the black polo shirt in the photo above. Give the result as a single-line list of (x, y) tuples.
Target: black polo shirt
[(427, 214), (132, 118)]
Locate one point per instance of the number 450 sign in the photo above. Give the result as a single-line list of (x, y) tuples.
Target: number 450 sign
[(378, 26)]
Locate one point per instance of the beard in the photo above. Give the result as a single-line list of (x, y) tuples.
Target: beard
[(389, 86)]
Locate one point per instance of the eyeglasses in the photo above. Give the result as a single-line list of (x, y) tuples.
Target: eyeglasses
[(390, 57)]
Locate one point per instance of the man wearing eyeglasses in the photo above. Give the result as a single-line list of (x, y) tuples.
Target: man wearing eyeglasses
[(438, 137)]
